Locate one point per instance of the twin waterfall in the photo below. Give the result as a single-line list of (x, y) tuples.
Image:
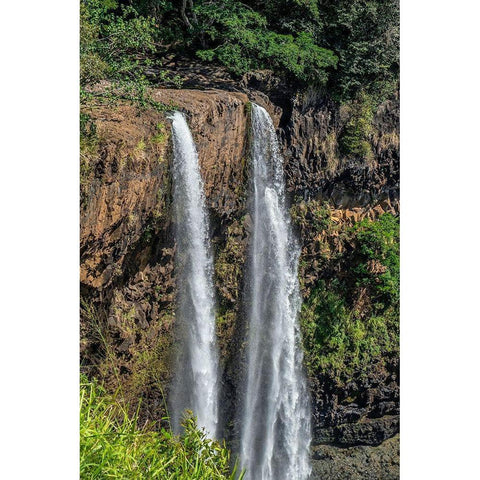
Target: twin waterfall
[(275, 418)]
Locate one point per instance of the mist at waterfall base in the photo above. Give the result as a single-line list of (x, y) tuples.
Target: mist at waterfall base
[(195, 386), (275, 426)]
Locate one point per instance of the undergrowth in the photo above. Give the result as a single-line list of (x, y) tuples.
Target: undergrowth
[(114, 446), (350, 316)]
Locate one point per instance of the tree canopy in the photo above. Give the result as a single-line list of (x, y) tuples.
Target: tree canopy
[(348, 46)]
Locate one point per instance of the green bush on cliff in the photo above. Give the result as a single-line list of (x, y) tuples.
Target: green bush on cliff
[(365, 36), (354, 140), (119, 45), (338, 340), (350, 322), (113, 445), (378, 267)]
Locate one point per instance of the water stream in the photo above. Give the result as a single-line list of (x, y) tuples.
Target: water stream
[(275, 429), (195, 384)]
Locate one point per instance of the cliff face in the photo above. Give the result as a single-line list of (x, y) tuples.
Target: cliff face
[(127, 246), (126, 177), (316, 168)]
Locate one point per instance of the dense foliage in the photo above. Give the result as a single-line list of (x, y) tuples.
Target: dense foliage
[(113, 45), (120, 45), (350, 318), (113, 445), (365, 36), (348, 46), (241, 40)]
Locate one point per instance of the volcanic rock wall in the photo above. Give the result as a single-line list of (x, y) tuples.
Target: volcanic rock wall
[(127, 247)]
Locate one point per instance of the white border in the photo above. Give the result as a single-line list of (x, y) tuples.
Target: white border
[(439, 259), (40, 232)]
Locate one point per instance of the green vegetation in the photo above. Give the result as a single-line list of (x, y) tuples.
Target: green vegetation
[(120, 45), (365, 36), (114, 445), (350, 317), (378, 267), (240, 39), (114, 45), (356, 134), (347, 46), (341, 341), (161, 136)]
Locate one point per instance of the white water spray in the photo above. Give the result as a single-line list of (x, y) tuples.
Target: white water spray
[(196, 377), (275, 438)]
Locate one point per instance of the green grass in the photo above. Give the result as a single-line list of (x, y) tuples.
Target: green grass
[(114, 446)]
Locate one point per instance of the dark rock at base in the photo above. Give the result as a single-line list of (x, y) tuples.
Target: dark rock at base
[(368, 432), (380, 462)]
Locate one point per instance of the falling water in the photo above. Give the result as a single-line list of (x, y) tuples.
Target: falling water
[(275, 437), (196, 377)]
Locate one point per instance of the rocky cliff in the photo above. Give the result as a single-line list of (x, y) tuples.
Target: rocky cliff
[(127, 248)]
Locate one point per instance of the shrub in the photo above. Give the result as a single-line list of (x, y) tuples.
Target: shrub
[(339, 341), (378, 260), (113, 445), (350, 318), (365, 37), (113, 45), (354, 140)]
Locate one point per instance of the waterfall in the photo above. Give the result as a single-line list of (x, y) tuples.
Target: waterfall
[(195, 384), (275, 429)]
